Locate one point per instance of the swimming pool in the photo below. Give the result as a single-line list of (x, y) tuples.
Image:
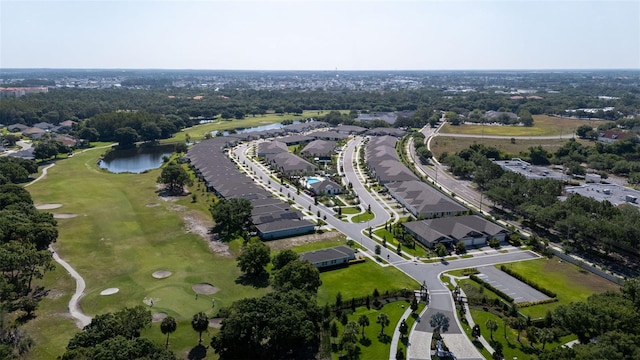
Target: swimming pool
[(312, 180)]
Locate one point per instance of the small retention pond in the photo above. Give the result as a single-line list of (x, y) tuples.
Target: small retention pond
[(136, 160)]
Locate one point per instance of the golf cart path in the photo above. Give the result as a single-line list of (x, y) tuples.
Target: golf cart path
[(82, 318), (74, 310)]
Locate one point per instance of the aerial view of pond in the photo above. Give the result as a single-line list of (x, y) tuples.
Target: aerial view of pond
[(135, 160)]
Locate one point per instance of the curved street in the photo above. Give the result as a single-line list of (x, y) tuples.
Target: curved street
[(427, 273)]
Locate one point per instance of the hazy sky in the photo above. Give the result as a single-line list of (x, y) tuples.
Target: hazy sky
[(320, 35)]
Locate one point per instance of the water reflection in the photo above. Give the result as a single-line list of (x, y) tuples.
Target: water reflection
[(135, 160)]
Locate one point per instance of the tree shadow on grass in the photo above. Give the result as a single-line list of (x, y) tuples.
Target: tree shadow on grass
[(384, 338), (197, 353), (365, 342), (257, 281)]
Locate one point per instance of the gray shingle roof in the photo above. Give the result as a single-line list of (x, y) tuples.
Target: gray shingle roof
[(319, 148), (424, 198), (454, 228), (334, 253)]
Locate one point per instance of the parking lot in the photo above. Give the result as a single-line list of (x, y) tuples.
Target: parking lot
[(519, 291)]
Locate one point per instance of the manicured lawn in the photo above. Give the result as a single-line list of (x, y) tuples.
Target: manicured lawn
[(567, 280), (365, 216), (392, 243), (371, 347), (348, 210), (543, 125), (123, 233), (453, 145), (361, 279)]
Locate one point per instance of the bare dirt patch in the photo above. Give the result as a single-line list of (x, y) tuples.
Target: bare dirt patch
[(157, 317), (205, 289), (55, 294), (215, 323), (304, 239), (152, 205), (64, 216), (48, 206), (109, 291), (161, 274), (196, 224)]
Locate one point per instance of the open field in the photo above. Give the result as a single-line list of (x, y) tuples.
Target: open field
[(543, 125), (441, 144), (360, 280), (568, 281), (124, 232)]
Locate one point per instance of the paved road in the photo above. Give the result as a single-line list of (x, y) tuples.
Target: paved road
[(440, 296)]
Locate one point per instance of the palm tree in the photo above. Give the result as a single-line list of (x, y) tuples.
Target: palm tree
[(520, 324), (168, 326), (383, 320), (546, 335), (363, 321), (492, 326), (200, 323)]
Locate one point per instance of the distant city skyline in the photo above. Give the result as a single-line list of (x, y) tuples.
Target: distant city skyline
[(320, 35)]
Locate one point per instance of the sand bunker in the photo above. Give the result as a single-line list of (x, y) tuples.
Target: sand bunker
[(64, 216), (48, 206), (157, 317), (204, 288), (109, 291), (161, 274), (152, 205)]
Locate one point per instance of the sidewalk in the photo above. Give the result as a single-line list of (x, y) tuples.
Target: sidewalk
[(467, 313), (396, 336)]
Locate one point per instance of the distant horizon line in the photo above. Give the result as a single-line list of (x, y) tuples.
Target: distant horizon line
[(322, 70)]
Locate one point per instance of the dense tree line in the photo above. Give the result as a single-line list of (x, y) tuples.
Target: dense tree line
[(16, 170), (607, 326), (116, 336), (78, 104), (129, 127), (282, 324), (25, 234)]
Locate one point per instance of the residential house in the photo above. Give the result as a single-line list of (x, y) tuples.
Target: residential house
[(328, 135), (326, 187), (271, 147), (349, 129), (290, 165), (17, 127), (613, 135), (34, 133), (423, 201), (330, 257), (320, 149), (471, 230)]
